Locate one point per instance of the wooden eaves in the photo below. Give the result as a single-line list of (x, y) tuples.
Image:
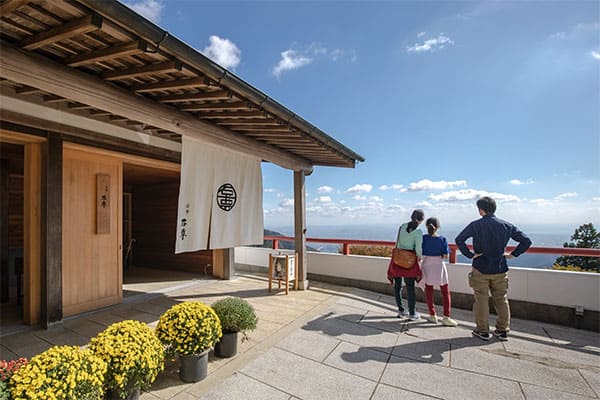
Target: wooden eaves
[(102, 59)]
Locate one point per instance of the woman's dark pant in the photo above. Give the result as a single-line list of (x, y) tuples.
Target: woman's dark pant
[(410, 294)]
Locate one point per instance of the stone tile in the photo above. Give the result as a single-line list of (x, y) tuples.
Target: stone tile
[(240, 386), (105, 318), (148, 396), (574, 337), (385, 392), (84, 327), (307, 379), (447, 383), (367, 304), (519, 367), (384, 321), (554, 353), (592, 377), (6, 354), (167, 384), (309, 344), (344, 312), (353, 333), (60, 336), (25, 345), (533, 392), (430, 351), (361, 361)]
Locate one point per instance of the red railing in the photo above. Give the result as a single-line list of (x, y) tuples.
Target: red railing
[(346, 243)]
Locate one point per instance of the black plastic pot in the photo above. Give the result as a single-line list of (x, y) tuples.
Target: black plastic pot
[(227, 347)]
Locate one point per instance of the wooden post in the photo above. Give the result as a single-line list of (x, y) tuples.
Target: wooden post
[(270, 272), (4, 166), (32, 233), (52, 310), (300, 228)]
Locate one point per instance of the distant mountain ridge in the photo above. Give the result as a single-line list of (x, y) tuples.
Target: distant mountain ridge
[(284, 245)]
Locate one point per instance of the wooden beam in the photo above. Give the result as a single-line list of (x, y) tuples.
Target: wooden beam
[(175, 84), (232, 114), (27, 90), (254, 121), (85, 24), (9, 6), (202, 96), (161, 68), (54, 99), (32, 69), (238, 105), (52, 232), (108, 53), (99, 113)]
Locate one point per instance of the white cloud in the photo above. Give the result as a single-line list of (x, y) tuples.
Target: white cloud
[(223, 51), (520, 182), (565, 195), (270, 190), (376, 198), (595, 54), (472, 194), (323, 199), (290, 60), (287, 203), (596, 198), (324, 189), (426, 184), (421, 34), (430, 45), (539, 201), (359, 197), (151, 9), (424, 204), (360, 188), (395, 186)]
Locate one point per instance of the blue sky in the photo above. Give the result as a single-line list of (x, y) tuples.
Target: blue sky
[(447, 101)]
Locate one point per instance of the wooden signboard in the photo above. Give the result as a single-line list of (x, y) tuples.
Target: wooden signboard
[(283, 268), (102, 203)]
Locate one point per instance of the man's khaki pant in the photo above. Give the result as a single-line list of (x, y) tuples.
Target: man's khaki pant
[(482, 285)]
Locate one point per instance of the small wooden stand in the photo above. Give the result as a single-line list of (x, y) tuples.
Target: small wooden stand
[(282, 267)]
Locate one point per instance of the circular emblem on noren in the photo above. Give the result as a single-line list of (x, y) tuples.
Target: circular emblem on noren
[(226, 197)]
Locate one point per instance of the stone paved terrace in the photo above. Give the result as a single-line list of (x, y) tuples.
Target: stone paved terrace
[(335, 342)]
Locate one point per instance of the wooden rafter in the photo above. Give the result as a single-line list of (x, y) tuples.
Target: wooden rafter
[(9, 6), (54, 99), (175, 84), (253, 121), (108, 53), (27, 90), (232, 114), (135, 72), (200, 96), (238, 105), (85, 24)]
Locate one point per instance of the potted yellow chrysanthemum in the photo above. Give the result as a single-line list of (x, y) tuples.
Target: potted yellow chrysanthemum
[(190, 330), (134, 356), (61, 372)]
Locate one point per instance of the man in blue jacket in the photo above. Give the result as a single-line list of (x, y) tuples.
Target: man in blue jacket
[(490, 271)]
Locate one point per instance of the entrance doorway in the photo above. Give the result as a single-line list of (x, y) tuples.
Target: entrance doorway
[(11, 238), (150, 196)]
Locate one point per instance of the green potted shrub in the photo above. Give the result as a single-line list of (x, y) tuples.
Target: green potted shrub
[(190, 330), (134, 356), (237, 316)]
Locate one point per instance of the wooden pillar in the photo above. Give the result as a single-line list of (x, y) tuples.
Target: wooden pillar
[(4, 167), (300, 228), (223, 263), (52, 310), (32, 233)]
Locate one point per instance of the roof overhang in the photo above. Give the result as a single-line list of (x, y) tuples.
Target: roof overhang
[(102, 59)]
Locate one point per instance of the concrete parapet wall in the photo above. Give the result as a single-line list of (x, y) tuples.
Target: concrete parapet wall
[(538, 294)]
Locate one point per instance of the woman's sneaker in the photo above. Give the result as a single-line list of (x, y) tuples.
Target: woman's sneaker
[(481, 335), (501, 335), (403, 314), (414, 317), (432, 318), (447, 321)]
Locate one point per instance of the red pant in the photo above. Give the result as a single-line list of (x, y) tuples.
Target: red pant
[(445, 299)]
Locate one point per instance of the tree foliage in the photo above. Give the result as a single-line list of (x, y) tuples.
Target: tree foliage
[(585, 237)]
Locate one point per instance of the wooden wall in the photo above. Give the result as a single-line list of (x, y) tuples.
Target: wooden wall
[(154, 229), (92, 263)]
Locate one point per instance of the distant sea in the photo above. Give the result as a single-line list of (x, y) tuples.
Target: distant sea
[(542, 236)]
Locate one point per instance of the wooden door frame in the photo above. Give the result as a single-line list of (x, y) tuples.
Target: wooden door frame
[(32, 223)]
